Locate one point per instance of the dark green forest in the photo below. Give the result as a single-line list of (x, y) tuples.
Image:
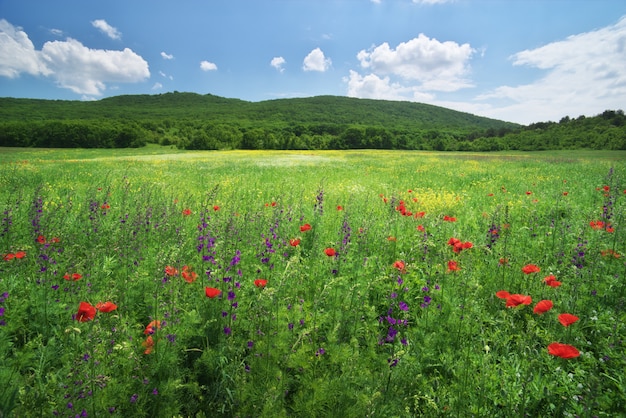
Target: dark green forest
[(208, 122)]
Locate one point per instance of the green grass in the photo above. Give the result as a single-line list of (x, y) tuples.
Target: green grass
[(354, 334)]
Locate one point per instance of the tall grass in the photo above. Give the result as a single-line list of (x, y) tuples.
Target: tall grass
[(228, 304)]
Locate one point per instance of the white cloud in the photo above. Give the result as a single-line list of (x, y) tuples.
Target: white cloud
[(372, 86), (316, 61), (278, 62), (56, 32), (436, 65), (157, 86), (107, 29), (165, 75), (208, 66), (72, 65), (584, 74), (167, 56), (17, 53), (86, 71)]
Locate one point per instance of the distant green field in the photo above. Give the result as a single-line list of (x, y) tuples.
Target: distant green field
[(159, 282)]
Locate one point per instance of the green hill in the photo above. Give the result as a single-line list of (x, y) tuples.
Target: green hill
[(194, 121)]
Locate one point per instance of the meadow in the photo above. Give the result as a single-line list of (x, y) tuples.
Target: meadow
[(162, 283)]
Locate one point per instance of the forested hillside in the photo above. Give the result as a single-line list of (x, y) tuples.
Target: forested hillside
[(193, 121)]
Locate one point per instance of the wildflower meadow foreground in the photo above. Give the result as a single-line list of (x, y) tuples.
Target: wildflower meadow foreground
[(287, 284)]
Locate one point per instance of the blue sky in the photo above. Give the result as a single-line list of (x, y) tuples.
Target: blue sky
[(516, 60)]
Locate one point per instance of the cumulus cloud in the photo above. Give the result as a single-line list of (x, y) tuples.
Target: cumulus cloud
[(316, 61), (72, 65), (86, 71), (208, 66), (435, 65), (278, 62), (107, 29), (17, 53), (372, 86), (583, 71), (167, 56)]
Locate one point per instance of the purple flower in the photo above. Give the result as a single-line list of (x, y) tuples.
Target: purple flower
[(227, 330), (403, 306), (320, 352), (133, 398), (250, 344)]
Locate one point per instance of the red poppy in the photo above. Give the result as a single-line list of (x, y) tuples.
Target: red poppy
[(453, 266), (609, 229), (294, 242), (490, 195), (149, 344), (260, 282), (420, 228), (517, 299), (503, 261), (565, 193), (529, 192), (41, 239), (606, 188), (563, 350), (542, 306), (399, 265), (447, 218), (105, 206), (567, 319), (552, 281), (86, 312), (502, 294), (216, 208), (330, 252), (597, 225), (152, 327), (55, 240), (605, 253), (20, 254), (530, 268), (186, 212), (419, 214), (211, 292), (305, 228), (73, 277), (339, 207), (9, 256), (171, 271), (390, 238), (188, 275), (106, 306)]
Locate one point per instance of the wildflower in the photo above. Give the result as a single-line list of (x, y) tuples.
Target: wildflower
[(503, 261), (294, 242), (216, 208), (148, 344), (453, 266), (339, 207), (567, 319), (105, 206), (320, 352), (8, 256), (399, 265), (305, 227), (420, 228), (212, 292), (20, 254), (188, 275), (171, 271), (517, 299), (447, 218), (502, 294), (610, 253), (551, 281), (106, 306), (403, 306), (41, 239), (86, 312), (530, 268), (330, 252), (419, 214), (73, 277), (542, 306), (597, 225), (186, 212), (563, 350), (152, 327), (260, 282)]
